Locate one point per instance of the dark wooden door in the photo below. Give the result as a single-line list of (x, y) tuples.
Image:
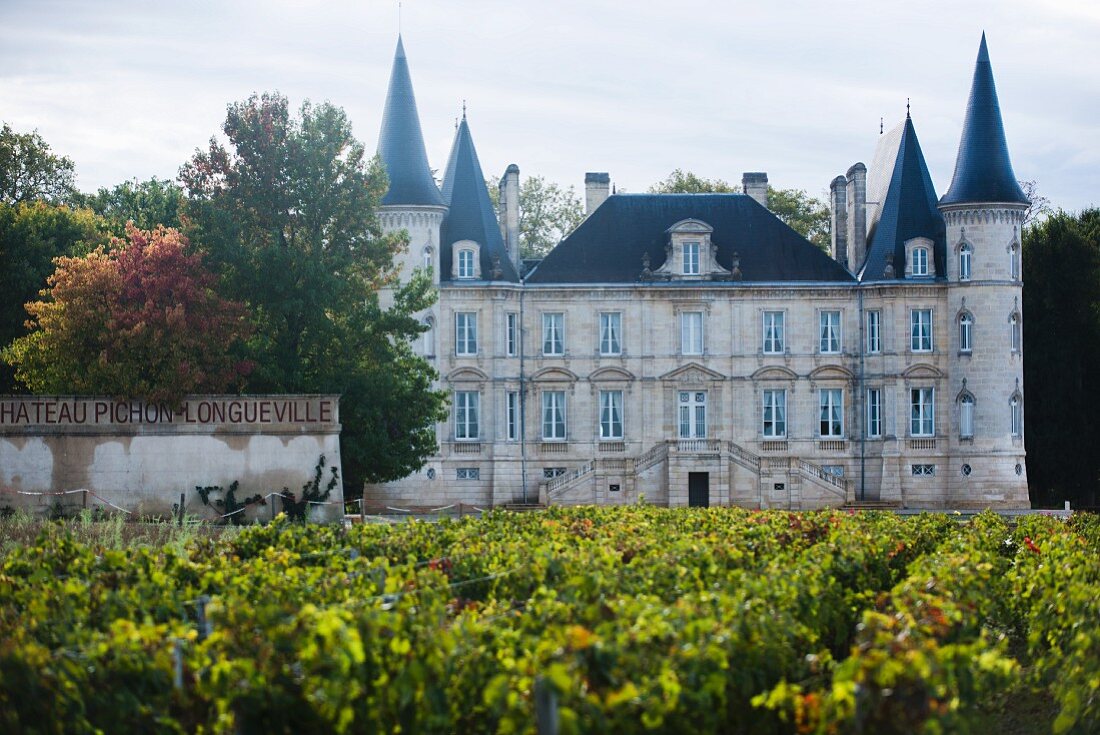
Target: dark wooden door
[(699, 489)]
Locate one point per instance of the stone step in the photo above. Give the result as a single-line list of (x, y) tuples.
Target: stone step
[(873, 505), (522, 507)]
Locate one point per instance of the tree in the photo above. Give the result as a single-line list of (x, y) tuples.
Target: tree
[(29, 171), (1061, 305), (547, 213), (1038, 205), (286, 214), (141, 320), (804, 214), (147, 204)]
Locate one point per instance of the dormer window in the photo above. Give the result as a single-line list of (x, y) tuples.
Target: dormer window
[(918, 258), (920, 261), (690, 254), (691, 259), (466, 261)]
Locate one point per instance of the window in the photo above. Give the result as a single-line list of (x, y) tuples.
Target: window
[(923, 470), (966, 416), (511, 415), (966, 333), (920, 261), (428, 257), (775, 414), (1014, 332), (611, 414), (691, 333), (465, 333), (1014, 262), (693, 414), (691, 258), (611, 328), (511, 334), (549, 473), (468, 473), (1015, 408), (831, 414), (553, 334), (467, 408), (553, 415), (465, 263), (922, 412), (429, 336), (964, 262), (921, 332), (773, 332), (874, 331), (874, 412), (829, 334)]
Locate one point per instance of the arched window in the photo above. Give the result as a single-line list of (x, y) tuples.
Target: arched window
[(429, 260), (966, 416), (429, 336), (966, 332), (1014, 331), (1014, 261), (1016, 415), (964, 262)]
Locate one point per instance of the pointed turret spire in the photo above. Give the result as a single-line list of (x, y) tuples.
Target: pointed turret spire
[(471, 215), (401, 144), (983, 171), (908, 211)]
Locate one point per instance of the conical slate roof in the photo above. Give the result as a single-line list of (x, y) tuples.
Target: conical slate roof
[(909, 210), (471, 215), (983, 171), (401, 144)]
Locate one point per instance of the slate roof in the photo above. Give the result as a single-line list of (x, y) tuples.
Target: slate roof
[(983, 171), (470, 215), (401, 144), (909, 211), (608, 246)]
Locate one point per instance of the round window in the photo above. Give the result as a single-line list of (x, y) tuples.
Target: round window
[(966, 470), (431, 473), (1019, 469)]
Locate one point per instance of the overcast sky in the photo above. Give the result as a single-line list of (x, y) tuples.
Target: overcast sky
[(130, 89)]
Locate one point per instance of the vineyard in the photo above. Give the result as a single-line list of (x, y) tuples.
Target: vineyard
[(608, 620)]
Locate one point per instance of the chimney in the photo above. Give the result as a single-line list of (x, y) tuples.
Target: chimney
[(838, 203), (755, 184), (857, 214), (597, 186), (509, 213)]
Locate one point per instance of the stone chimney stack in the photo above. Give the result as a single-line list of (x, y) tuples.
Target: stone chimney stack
[(509, 212), (857, 214), (755, 184), (838, 203), (597, 187)]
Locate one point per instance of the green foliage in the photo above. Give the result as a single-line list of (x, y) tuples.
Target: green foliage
[(1061, 301), (286, 215), (686, 182), (228, 506), (298, 508), (147, 204), (30, 172), (638, 619), (547, 213)]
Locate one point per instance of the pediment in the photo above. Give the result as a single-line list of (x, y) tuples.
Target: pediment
[(775, 372), (831, 372), (555, 375), (466, 375), (923, 370), (690, 225), (693, 373), (611, 373)]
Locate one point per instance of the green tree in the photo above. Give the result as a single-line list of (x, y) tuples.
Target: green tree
[(141, 320), (1061, 306), (29, 171), (804, 214), (547, 213), (286, 213), (145, 203), (31, 236)]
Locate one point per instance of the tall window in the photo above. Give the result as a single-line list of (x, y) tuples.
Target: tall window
[(611, 328), (921, 330), (966, 332), (511, 415), (831, 414), (829, 334), (874, 332), (874, 412), (773, 332), (553, 415), (922, 412), (465, 263), (1014, 331), (693, 414), (1016, 414), (467, 410), (775, 414), (965, 254), (511, 334), (428, 257), (920, 261), (429, 336), (465, 333), (553, 334), (611, 414), (1014, 262), (691, 258), (691, 333), (966, 416)]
